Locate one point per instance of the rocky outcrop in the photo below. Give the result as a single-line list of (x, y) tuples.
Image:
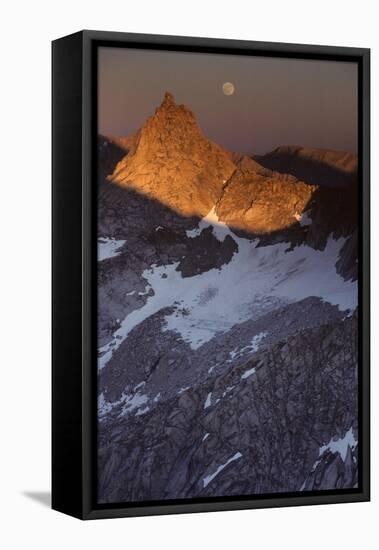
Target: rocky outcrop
[(180, 366), (171, 161), (205, 252), (260, 201), (253, 429), (267, 401), (347, 264), (333, 205), (174, 163)]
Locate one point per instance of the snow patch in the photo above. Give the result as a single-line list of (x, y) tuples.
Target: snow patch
[(146, 291), (130, 401), (209, 478), (208, 401), (133, 402), (220, 229), (337, 445), (255, 281), (252, 347), (205, 437), (108, 247), (103, 406), (340, 445), (247, 373), (193, 233), (304, 219), (228, 389), (142, 411)]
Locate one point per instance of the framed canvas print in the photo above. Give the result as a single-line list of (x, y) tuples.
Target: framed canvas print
[(210, 274)]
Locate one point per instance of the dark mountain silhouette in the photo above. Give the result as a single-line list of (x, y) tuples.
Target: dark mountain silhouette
[(315, 166)]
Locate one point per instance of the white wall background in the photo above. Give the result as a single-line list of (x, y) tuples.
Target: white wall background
[(27, 29)]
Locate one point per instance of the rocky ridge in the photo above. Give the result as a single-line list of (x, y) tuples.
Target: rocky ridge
[(275, 412), (173, 162), (266, 403)]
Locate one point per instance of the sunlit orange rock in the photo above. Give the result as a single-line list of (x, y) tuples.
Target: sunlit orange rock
[(171, 160), (174, 163)]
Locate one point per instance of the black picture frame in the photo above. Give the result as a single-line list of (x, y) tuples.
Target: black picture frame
[(74, 113)]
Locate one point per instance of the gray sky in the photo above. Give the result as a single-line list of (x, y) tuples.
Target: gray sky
[(276, 101)]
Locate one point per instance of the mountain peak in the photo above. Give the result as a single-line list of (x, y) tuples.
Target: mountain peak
[(173, 115), (173, 161), (168, 99)]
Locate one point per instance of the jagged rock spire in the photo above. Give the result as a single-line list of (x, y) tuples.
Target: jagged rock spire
[(168, 99), (173, 161)]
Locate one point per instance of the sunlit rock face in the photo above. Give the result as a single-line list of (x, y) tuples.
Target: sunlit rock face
[(170, 160), (262, 203), (174, 163), (227, 318)]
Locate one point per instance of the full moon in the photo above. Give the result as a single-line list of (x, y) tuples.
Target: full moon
[(228, 88)]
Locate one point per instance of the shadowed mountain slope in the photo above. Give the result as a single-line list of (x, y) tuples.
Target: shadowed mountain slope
[(315, 166)]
